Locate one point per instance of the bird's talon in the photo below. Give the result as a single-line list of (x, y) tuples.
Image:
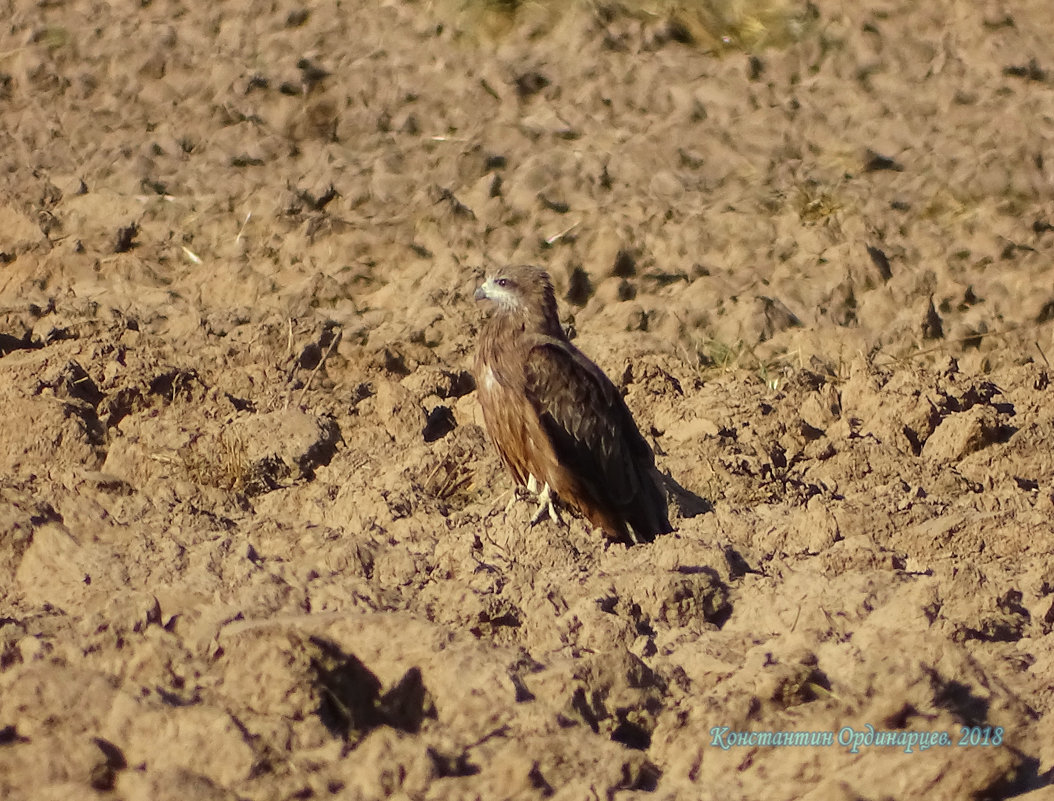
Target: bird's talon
[(547, 507), (540, 513)]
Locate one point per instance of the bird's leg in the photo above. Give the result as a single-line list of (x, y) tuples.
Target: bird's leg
[(546, 501), (546, 505), (518, 493)]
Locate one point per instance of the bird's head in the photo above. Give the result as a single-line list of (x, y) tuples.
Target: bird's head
[(503, 291), (523, 293)]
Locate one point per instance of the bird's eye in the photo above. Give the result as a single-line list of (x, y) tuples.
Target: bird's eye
[(503, 282)]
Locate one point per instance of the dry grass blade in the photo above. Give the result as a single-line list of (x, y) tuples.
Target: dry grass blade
[(449, 477), (716, 24), (221, 462)]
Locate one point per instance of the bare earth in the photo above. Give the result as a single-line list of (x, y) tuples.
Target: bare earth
[(253, 541)]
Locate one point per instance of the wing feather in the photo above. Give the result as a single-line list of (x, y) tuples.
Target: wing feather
[(589, 425)]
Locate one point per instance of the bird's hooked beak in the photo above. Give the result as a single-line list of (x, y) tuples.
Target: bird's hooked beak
[(498, 291), (489, 290)]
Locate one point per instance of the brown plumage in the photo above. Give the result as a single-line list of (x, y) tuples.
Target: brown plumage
[(558, 422)]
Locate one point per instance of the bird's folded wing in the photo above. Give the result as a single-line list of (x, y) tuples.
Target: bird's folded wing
[(587, 421)]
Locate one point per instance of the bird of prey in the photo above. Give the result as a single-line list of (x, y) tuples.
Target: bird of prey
[(560, 425)]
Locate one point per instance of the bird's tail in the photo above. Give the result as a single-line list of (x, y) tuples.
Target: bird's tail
[(650, 516)]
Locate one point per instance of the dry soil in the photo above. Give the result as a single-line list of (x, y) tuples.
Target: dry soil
[(253, 541)]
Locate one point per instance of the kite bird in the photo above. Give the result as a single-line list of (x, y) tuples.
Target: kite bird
[(560, 425)]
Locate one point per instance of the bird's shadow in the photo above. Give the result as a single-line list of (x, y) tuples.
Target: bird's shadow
[(687, 503)]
